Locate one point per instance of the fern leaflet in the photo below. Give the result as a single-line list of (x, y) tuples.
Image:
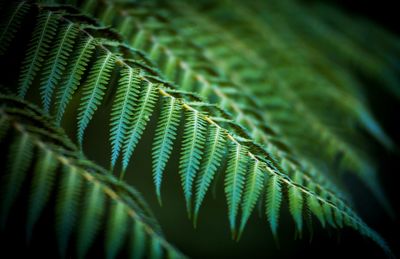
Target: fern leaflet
[(191, 153), (90, 217), (116, 230), (273, 202), (38, 47), (163, 141), (234, 181), (73, 76), (252, 192), (67, 206), (9, 28), (296, 206), (93, 92), (316, 208), (56, 63), (42, 184), (123, 108), (142, 114), (20, 154), (138, 240), (215, 147)]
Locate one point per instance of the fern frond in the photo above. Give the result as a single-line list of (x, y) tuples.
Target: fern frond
[(43, 34), (116, 230), (155, 249), (225, 119), (273, 202), (73, 76), (260, 80), (234, 181), (296, 206), (20, 154), (141, 114), (138, 240), (123, 109), (127, 217), (42, 186), (90, 217), (163, 141), (215, 148), (67, 206), (12, 23), (56, 63), (252, 192), (315, 207), (328, 212), (93, 92), (225, 93), (191, 153)]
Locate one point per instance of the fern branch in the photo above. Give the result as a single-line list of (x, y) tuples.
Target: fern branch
[(195, 135)]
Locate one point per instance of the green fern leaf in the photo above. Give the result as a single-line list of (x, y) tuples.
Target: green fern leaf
[(11, 25), (122, 110), (139, 40), (67, 205), (316, 208), (328, 214), (296, 206), (42, 184), (90, 218), (38, 47), (138, 241), (56, 62), (234, 181), (156, 249), (20, 155), (296, 201), (338, 215), (163, 141), (93, 92), (73, 76), (141, 116), (273, 202), (252, 192), (215, 147), (170, 68), (116, 230), (191, 153)]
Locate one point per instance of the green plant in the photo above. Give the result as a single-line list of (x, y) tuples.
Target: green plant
[(43, 161), (138, 62)]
